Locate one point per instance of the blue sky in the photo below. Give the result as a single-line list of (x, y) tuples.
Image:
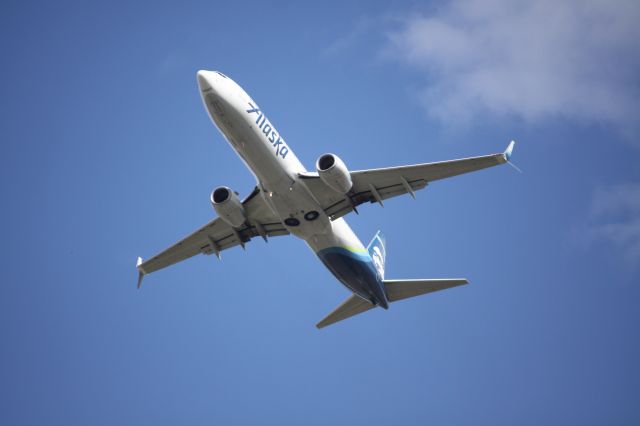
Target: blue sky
[(108, 154)]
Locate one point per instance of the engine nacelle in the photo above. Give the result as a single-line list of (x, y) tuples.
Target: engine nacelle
[(334, 173), (228, 206)]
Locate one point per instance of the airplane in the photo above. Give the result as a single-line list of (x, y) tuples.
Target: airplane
[(289, 199)]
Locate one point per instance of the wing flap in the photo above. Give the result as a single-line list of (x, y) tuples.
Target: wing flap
[(346, 204)]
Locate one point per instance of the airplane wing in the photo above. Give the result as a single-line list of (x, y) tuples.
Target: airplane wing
[(217, 236), (376, 185)]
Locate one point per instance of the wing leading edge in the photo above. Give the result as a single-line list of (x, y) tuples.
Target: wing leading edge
[(376, 185)]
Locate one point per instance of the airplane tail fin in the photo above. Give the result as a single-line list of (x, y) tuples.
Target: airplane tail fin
[(378, 252), (396, 290)]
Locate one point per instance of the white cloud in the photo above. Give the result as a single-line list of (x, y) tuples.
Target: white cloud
[(534, 59), (614, 218)]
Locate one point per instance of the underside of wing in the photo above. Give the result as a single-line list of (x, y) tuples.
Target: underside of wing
[(377, 185), (217, 235)]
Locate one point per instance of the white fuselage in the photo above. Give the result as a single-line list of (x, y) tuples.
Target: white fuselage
[(274, 165)]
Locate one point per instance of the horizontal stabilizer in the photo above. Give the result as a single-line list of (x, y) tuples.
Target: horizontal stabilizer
[(354, 305), (403, 289), (396, 290)]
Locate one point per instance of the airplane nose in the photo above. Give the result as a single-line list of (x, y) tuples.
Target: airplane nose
[(204, 79)]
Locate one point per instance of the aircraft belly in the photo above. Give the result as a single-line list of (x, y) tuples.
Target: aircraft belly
[(288, 199), (247, 140), (354, 271), (254, 153), (342, 252), (291, 202)]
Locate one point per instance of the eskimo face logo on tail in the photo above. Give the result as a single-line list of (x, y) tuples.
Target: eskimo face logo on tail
[(267, 128), (378, 260)]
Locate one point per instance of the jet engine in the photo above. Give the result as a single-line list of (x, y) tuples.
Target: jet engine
[(334, 173), (228, 206)]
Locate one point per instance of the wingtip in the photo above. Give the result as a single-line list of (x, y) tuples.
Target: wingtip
[(506, 155), (140, 271)]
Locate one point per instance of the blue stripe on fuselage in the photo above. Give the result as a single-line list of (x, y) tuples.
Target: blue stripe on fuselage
[(356, 271)]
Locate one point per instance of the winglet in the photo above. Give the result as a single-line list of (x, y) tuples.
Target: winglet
[(140, 271), (507, 152), (507, 156)]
